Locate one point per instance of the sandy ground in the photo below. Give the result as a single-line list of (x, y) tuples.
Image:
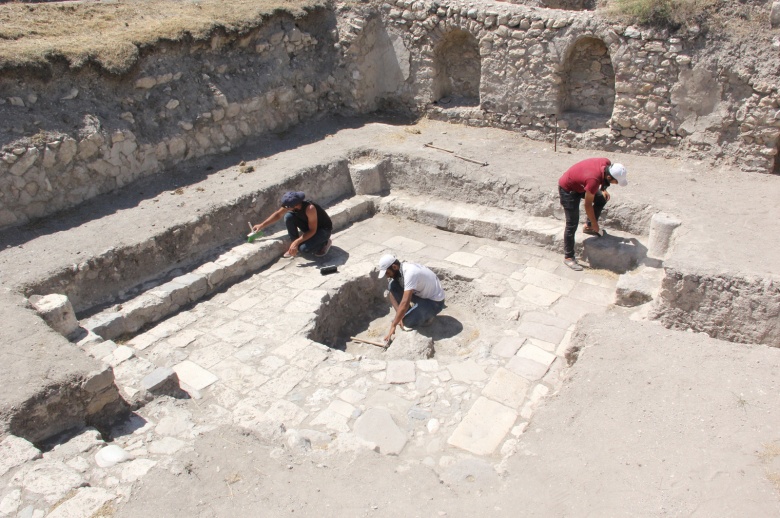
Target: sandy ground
[(650, 422)]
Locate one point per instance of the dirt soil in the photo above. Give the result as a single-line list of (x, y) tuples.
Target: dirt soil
[(650, 422)]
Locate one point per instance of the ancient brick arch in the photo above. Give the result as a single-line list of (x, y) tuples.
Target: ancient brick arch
[(588, 86), (457, 68)]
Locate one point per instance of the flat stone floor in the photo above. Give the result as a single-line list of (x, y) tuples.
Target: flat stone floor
[(242, 352), (243, 358)]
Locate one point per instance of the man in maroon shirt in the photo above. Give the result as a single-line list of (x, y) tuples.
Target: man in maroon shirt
[(587, 179)]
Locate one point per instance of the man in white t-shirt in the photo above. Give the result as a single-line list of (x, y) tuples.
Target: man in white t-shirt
[(411, 283)]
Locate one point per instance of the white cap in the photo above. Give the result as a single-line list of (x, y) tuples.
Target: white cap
[(385, 262), (618, 172)]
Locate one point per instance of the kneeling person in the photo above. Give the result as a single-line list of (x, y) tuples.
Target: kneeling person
[(308, 225), (411, 283)]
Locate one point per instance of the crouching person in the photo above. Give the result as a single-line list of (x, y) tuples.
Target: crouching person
[(415, 293)]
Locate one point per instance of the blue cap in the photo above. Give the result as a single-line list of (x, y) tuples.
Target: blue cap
[(292, 198)]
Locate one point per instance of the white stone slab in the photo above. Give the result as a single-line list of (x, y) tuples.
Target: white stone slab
[(536, 295), (281, 384), (371, 365), (508, 346), (166, 446), (404, 244), (536, 354), (400, 371), (143, 341), (287, 413), (342, 408), (331, 420), (507, 388), (290, 348), (428, 365), (543, 332), (51, 479), (376, 425), (547, 280), (15, 451), (333, 375), (183, 338), (467, 371), (464, 258), (352, 396), (595, 295), (83, 503), (484, 427), (194, 375), (236, 332), (528, 369), (492, 251), (311, 357), (567, 308), (248, 301), (136, 469)]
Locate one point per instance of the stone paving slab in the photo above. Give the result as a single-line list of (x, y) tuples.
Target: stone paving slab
[(484, 427), (244, 353)]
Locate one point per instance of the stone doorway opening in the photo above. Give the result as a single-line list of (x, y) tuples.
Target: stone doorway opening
[(457, 70), (588, 90)]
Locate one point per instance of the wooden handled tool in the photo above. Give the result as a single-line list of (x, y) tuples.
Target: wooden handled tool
[(378, 344), (430, 145)]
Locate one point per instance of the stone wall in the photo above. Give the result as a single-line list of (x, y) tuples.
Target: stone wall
[(68, 135), (728, 306), (669, 95)]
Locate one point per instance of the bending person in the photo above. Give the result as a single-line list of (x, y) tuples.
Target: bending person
[(411, 283), (586, 180), (308, 225)]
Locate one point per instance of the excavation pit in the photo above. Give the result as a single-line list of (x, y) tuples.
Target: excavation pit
[(261, 344), (276, 345)]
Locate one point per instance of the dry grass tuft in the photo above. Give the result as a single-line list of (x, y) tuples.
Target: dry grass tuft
[(111, 34), (660, 13)]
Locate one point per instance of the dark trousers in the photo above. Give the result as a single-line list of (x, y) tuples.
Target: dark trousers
[(570, 201), (423, 310), (297, 223)]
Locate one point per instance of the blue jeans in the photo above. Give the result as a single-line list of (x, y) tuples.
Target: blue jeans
[(423, 310), (296, 224), (570, 201)]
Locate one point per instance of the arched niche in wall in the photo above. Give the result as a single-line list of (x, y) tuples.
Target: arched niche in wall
[(457, 70), (588, 86)]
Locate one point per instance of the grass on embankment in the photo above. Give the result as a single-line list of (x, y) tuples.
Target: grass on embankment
[(111, 33)]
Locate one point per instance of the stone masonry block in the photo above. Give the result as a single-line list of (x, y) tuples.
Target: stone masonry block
[(108, 325), (57, 311), (99, 380), (15, 451), (178, 294), (197, 285), (233, 263), (162, 380), (774, 15), (213, 272), (361, 208), (613, 253), (145, 309), (662, 228), (366, 177), (102, 349)]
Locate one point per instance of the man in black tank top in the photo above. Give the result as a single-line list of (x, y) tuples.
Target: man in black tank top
[(308, 225)]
